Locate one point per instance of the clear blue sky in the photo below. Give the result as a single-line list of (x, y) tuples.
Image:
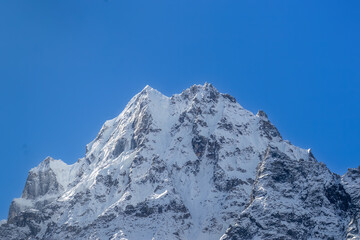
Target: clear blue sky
[(67, 66)]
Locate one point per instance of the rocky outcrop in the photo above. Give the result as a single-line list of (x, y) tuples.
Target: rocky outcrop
[(293, 199), (351, 184)]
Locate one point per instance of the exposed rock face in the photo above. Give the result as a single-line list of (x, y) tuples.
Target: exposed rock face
[(351, 184), (192, 166), (42, 182), (293, 198)]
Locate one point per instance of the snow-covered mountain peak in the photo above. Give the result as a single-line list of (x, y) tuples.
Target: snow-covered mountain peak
[(149, 92), (186, 167), (200, 92), (49, 163), (147, 88)]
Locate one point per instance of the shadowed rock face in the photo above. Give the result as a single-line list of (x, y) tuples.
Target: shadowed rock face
[(290, 198), (199, 145), (267, 129), (34, 189), (351, 183), (192, 166), (119, 147)]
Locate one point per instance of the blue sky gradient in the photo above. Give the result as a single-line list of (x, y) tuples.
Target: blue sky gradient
[(67, 66)]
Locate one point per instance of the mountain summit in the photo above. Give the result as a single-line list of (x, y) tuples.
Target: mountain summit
[(195, 165)]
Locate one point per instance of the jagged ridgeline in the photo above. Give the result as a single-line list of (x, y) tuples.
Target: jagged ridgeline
[(194, 166)]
